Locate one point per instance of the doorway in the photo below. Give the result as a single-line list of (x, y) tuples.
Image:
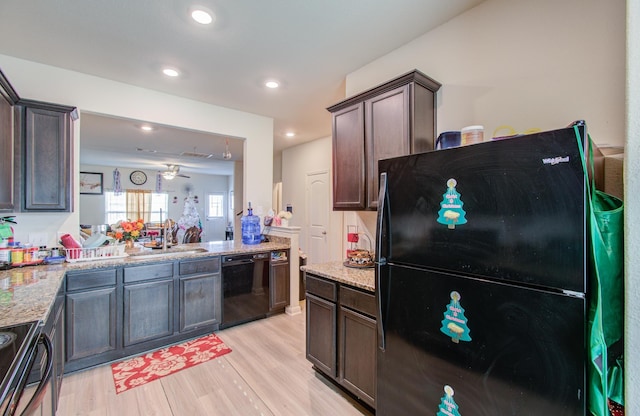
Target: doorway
[(318, 205), (215, 216)]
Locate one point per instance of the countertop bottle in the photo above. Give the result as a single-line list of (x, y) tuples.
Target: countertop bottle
[(250, 225)]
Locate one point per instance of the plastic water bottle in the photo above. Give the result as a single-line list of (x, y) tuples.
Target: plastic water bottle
[(250, 227)]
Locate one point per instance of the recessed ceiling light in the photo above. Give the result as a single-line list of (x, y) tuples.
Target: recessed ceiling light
[(146, 127), (290, 134), (170, 72), (271, 84), (202, 16)]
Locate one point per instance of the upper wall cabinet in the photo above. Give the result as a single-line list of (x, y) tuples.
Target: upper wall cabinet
[(393, 119), (8, 99), (44, 149)]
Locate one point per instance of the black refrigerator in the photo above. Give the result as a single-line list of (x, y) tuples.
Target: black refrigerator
[(481, 279)]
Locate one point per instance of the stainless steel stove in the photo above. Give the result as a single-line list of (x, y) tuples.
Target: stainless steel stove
[(18, 350)]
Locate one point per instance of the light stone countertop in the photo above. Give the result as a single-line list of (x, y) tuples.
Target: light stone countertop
[(27, 293), (363, 278)]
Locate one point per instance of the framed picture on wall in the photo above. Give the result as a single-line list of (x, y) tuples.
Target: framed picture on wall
[(91, 183)]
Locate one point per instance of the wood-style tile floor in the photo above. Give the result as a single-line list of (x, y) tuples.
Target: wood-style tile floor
[(265, 374)]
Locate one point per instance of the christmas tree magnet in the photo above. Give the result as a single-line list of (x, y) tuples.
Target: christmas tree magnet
[(451, 212), (454, 323), (448, 406)]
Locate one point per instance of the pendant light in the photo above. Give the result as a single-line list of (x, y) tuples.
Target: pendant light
[(227, 154)]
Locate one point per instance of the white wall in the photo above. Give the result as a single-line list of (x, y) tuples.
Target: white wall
[(527, 64), (632, 202), (297, 162), (92, 208), (102, 96)]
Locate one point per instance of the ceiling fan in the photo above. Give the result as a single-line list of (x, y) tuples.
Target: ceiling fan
[(172, 171), (226, 155)]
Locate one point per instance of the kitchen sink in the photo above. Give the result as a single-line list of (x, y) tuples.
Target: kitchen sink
[(145, 255)]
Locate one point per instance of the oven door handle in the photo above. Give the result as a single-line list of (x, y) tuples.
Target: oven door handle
[(37, 397)]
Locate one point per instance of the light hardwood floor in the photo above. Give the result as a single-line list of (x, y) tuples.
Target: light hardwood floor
[(265, 374)]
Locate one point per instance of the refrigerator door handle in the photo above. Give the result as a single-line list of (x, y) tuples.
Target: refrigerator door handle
[(382, 207), (381, 261)]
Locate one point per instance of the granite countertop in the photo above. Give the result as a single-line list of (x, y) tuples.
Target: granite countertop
[(27, 293), (363, 278)]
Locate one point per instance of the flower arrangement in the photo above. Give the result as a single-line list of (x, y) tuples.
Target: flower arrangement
[(282, 219), (285, 215), (128, 230)]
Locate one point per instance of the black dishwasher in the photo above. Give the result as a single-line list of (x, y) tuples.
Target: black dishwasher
[(245, 288)]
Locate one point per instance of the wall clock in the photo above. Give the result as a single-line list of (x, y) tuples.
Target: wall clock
[(138, 177)]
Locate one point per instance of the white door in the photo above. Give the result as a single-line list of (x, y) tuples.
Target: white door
[(318, 210), (215, 214)]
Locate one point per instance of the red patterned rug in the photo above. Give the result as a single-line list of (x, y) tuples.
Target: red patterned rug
[(154, 365)]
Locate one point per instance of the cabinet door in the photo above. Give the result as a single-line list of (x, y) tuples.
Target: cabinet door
[(56, 334), (200, 301), (47, 161), (321, 334), (91, 322), (6, 154), (279, 286), (348, 158), (387, 130), (148, 311), (357, 354)]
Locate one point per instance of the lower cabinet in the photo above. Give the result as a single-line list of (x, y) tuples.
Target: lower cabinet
[(341, 335), (148, 303), (91, 316), (200, 301), (322, 334), (56, 331), (357, 354), (279, 281), (148, 311), (116, 312)]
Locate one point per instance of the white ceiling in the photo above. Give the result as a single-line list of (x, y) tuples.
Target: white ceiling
[(309, 46)]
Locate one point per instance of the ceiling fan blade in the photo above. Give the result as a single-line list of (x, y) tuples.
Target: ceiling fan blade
[(154, 152), (183, 176)]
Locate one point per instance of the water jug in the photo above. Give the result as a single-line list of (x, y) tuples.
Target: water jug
[(250, 225)]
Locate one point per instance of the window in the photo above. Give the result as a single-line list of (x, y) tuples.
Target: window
[(215, 206), (116, 208)]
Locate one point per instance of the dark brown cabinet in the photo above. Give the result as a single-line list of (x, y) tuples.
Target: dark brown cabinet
[(8, 99), (341, 335), (357, 343), (322, 324), (279, 281), (348, 158), (394, 119), (200, 298), (148, 303), (148, 311), (118, 312), (91, 316), (43, 148)]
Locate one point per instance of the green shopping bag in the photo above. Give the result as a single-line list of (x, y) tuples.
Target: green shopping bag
[(605, 315)]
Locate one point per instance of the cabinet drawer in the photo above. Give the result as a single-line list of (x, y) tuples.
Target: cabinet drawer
[(91, 279), (210, 265), (358, 300), (323, 288), (152, 271)]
